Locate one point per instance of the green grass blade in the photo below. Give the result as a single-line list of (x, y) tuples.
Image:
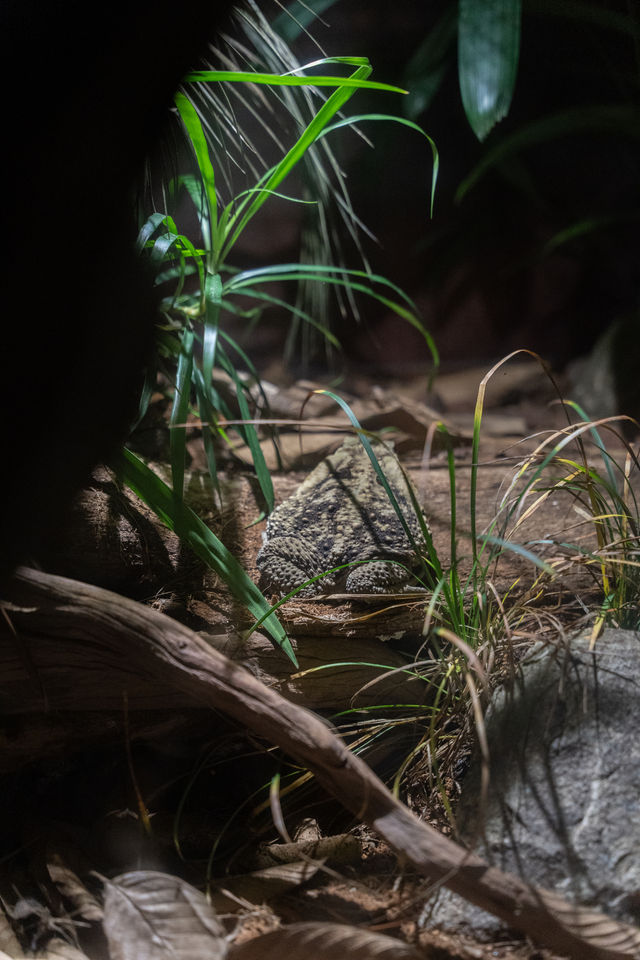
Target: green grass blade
[(190, 528), (213, 300), (323, 272), (328, 110), (360, 118), (606, 121), (149, 227), (428, 64), (193, 126), (290, 308), (355, 82), (376, 466), (179, 411), (146, 393), (488, 53), (163, 247), (248, 432), (208, 416), (339, 277), (518, 549), (598, 441), (585, 227), (195, 188)]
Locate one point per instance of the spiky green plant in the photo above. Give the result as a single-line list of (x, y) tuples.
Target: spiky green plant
[(192, 334)]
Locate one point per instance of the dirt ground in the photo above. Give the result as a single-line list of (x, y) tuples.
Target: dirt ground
[(92, 795)]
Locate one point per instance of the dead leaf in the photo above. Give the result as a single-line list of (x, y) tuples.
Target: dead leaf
[(154, 916), (323, 941), (9, 945), (262, 885), (312, 425), (70, 886)]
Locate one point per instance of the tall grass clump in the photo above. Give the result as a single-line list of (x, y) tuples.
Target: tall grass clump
[(202, 287)]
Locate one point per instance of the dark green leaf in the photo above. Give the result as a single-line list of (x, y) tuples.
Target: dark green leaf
[(194, 130), (607, 121), (313, 130), (213, 298), (248, 432), (353, 121), (179, 410), (428, 64), (488, 52)]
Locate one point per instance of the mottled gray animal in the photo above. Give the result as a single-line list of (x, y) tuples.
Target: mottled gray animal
[(341, 514)]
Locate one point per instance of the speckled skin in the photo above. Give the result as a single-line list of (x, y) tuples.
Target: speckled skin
[(340, 514)]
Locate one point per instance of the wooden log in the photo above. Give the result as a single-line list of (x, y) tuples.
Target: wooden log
[(62, 631)]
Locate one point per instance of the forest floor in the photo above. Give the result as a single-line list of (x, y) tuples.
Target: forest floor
[(207, 783)]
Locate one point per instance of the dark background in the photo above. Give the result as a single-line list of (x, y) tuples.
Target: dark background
[(479, 270), (86, 97)]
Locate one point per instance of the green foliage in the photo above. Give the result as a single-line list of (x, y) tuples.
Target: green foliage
[(221, 227), (488, 45), (192, 339), (427, 66), (600, 71), (171, 509), (488, 52), (605, 121), (606, 500)]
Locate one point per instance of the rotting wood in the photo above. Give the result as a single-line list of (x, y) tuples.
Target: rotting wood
[(329, 677), (67, 631)]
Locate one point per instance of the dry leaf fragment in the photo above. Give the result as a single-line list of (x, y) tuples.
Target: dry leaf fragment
[(154, 916), (262, 885), (9, 945), (323, 941), (71, 887)]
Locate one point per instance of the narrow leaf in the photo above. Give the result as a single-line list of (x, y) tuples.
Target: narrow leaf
[(148, 228), (179, 410), (488, 52), (349, 121), (213, 299), (287, 80), (428, 64), (249, 435), (198, 140), (326, 112), (190, 528), (608, 120)]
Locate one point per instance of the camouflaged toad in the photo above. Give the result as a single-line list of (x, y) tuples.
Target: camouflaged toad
[(338, 515)]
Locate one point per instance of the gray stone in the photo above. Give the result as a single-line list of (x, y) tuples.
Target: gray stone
[(563, 807)]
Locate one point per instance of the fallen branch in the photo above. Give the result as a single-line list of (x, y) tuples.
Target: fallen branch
[(65, 630)]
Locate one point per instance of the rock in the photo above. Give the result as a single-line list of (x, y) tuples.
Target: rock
[(563, 808), (96, 86), (605, 382)]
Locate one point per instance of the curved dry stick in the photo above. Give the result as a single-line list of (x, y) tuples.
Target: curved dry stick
[(72, 629)]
